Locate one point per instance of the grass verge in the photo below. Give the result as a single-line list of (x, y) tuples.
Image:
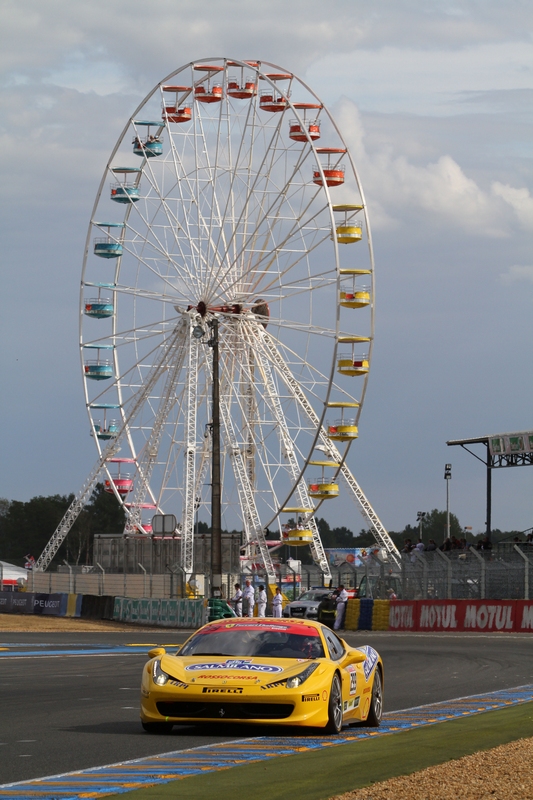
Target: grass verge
[(319, 774)]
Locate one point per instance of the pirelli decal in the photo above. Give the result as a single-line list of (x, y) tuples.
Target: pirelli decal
[(222, 690), (310, 698)]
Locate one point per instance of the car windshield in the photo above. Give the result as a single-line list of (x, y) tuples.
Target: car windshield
[(316, 595), (255, 639)]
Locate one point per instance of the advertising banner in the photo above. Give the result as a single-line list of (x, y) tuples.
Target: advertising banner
[(54, 605), (508, 443), (403, 615), (355, 556), (461, 615)]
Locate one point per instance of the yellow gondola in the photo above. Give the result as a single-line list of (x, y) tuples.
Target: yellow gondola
[(324, 488)]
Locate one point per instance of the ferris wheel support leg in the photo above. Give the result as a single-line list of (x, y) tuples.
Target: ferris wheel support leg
[(252, 524), (145, 464), (79, 501), (73, 512), (364, 505), (272, 398)]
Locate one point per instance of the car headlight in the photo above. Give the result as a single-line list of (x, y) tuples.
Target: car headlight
[(297, 680), (158, 676)]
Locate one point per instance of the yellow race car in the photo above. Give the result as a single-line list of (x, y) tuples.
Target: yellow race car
[(264, 672)]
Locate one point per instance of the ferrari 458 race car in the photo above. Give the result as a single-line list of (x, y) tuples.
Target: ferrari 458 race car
[(265, 672)]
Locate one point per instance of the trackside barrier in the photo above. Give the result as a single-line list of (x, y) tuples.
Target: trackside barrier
[(167, 613), (461, 615), (55, 605), (367, 614), (95, 606)]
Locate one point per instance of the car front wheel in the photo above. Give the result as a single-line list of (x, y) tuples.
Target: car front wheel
[(335, 707)]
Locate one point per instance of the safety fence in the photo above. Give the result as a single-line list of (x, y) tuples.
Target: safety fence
[(504, 572), (165, 613), (171, 585)]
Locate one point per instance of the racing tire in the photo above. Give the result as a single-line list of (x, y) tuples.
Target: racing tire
[(376, 705), (160, 728), (335, 707)]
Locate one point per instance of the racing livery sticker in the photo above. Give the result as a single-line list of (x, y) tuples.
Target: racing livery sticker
[(310, 698), (371, 659), (222, 690), (352, 672), (349, 705), (292, 627), (234, 663)]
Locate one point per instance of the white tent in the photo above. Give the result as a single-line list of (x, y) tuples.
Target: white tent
[(10, 574)]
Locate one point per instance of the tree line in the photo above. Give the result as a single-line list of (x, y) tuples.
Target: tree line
[(26, 528)]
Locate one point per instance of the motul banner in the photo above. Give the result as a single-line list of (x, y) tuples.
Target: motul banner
[(403, 615), (461, 615)]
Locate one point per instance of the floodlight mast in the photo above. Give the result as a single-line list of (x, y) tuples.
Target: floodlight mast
[(216, 521)]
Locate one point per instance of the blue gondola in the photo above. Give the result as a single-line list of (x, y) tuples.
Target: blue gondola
[(109, 429), (106, 247), (98, 307), (123, 192), (98, 369), (150, 145)]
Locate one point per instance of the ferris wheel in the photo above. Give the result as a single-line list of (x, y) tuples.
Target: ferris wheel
[(229, 198)]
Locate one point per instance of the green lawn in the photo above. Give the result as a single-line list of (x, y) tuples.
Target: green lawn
[(319, 774)]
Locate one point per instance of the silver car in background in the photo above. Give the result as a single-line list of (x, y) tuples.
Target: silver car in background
[(307, 604)]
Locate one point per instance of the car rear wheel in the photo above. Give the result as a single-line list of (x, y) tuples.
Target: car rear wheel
[(376, 706), (157, 727), (335, 707)]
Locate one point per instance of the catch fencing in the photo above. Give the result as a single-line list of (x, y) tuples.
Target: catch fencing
[(504, 573)]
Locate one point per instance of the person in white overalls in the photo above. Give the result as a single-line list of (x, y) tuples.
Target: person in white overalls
[(237, 600), (277, 603), (261, 601), (342, 599), (249, 599)]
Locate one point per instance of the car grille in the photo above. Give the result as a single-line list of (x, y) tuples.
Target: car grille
[(297, 611), (220, 710)]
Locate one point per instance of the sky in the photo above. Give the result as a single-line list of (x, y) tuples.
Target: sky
[(434, 99)]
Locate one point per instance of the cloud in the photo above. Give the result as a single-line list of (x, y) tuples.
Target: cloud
[(421, 80), (520, 201), (518, 273), (440, 189)]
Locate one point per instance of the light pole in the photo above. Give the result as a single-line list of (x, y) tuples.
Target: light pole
[(447, 478), (420, 519), (216, 519)]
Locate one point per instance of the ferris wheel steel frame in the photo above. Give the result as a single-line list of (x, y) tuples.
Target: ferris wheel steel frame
[(278, 226)]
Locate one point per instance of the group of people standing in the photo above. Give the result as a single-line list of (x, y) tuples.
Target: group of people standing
[(245, 600)]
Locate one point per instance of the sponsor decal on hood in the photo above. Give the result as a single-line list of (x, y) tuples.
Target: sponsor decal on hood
[(234, 663)]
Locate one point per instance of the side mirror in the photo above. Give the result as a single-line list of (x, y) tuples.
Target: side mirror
[(353, 657), (156, 651)]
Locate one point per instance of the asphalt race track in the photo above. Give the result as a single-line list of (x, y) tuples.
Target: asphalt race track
[(71, 701)]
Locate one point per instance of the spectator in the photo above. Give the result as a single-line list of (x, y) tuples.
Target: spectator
[(248, 599), (391, 594), (261, 601), (431, 545), (277, 603), (484, 544), (342, 599), (407, 546), (447, 545), (420, 546), (237, 600)]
